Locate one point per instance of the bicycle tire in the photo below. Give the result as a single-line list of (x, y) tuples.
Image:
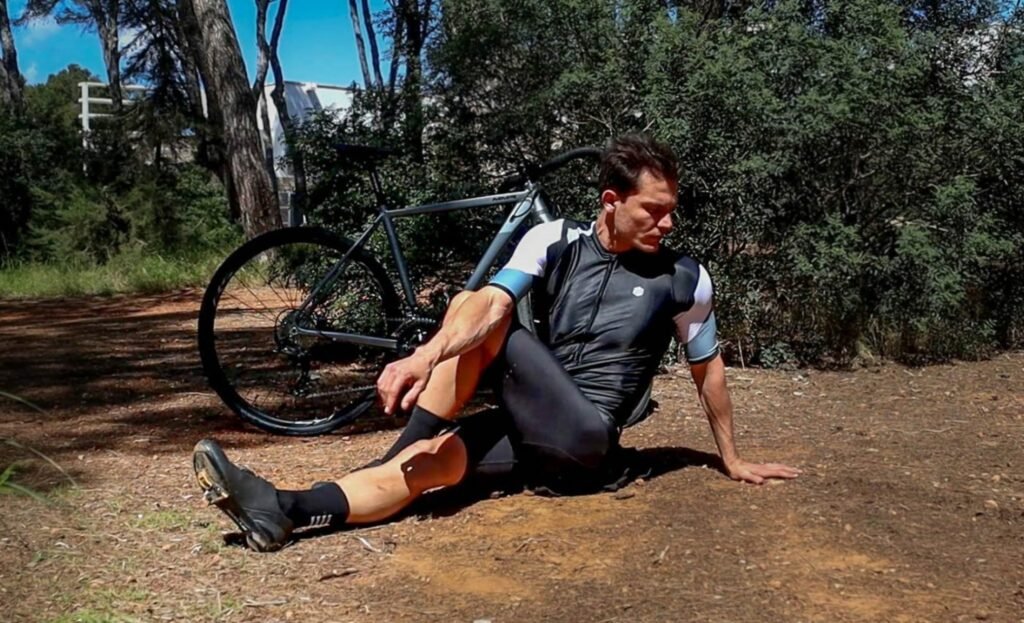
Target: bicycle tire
[(312, 384)]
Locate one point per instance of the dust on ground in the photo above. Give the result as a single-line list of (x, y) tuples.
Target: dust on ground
[(910, 508)]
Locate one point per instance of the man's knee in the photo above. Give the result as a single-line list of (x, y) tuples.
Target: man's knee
[(584, 451), (429, 463), (592, 444)]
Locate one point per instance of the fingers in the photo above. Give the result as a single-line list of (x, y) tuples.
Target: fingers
[(400, 385), (410, 396), (753, 478), (757, 473), (389, 387), (776, 470)]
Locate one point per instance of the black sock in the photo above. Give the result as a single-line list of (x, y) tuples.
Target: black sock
[(323, 505), (422, 425)]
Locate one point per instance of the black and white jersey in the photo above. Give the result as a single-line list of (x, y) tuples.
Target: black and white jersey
[(609, 317)]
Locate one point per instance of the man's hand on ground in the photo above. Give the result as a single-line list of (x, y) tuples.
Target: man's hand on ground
[(757, 473), (402, 381)]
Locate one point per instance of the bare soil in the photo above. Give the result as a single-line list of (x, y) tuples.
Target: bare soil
[(910, 508)]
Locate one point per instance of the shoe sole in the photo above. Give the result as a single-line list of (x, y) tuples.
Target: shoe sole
[(210, 463)]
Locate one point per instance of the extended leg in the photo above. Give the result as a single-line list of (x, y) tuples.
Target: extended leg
[(267, 516)]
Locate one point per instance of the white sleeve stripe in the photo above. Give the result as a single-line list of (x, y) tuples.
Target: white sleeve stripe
[(689, 322), (531, 254)]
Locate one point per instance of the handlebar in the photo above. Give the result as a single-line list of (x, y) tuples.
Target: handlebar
[(532, 172)]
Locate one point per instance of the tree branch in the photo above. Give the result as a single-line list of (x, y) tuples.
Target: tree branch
[(360, 46), (371, 36), (262, 61)]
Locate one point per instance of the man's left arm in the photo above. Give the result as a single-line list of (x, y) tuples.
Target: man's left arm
[(709, 377), (697, 331)]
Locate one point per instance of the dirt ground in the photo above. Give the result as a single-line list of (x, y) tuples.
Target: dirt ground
[(910, 508)]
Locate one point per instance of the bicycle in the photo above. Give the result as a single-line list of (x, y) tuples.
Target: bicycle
[(307, 319)]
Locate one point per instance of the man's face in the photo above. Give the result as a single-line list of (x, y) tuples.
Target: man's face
[(643, 217)]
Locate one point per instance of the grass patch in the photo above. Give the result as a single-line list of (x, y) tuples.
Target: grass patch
[(105, 606), (130, 272), (164, 520), (92, 615), (7, 486)]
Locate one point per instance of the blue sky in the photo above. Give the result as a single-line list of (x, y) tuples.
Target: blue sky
[(316, 43)]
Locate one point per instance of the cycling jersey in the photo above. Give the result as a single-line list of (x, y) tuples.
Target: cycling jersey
[(608, 317)]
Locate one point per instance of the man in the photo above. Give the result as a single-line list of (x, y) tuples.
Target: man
[(611, 296)]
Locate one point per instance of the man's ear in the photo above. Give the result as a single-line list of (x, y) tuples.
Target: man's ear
[(609, 199)]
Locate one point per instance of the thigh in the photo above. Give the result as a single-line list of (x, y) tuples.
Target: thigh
[(552, 422)]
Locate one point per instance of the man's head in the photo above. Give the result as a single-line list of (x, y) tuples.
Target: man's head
[(639, 182)]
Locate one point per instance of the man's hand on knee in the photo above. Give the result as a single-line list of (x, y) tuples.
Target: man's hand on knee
[(402, 382)]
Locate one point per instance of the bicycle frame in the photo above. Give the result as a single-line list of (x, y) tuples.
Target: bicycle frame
[(526, 202)]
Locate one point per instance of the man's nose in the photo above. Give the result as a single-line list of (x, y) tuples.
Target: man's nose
[(665, 224)]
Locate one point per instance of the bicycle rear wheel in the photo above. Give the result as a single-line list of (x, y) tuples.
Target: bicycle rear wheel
[(273, 364)]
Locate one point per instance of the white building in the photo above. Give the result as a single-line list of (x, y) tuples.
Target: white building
[(302, 99)]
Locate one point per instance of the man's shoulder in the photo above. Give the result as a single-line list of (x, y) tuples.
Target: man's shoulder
[(688, 274), (678, 262), (555, 236)]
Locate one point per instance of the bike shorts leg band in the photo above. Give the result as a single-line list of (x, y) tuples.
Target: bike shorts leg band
[(488, 446)]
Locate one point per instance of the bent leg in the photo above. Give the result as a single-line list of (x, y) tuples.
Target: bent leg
[(557, 429), (453, 382), (451, 385)]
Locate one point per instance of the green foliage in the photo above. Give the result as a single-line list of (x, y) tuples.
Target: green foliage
[(851, 170), (110, 216), (171, 211), (130, 271)]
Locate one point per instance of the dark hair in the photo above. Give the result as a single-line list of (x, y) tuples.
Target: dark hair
[(628, 156)]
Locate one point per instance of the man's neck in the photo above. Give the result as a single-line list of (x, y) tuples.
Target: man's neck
[(606, 235)]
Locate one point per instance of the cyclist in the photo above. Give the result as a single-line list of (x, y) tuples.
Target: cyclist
[(611, 296)]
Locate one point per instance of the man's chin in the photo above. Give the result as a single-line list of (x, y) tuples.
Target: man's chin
[(648, 246)]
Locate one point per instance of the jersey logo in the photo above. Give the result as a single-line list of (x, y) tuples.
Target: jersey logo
[(638, 291)]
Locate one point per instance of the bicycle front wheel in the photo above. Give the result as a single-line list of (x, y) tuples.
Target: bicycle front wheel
[(291, 369)]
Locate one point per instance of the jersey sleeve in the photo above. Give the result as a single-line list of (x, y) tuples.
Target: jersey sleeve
[(528, 261), (695, 327)]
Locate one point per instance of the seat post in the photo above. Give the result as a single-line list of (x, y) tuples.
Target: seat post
[(378, 189)]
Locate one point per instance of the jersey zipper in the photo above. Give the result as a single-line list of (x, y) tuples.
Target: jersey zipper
[(597, 305)]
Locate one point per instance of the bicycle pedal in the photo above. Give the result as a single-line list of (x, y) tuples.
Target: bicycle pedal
[(211, 491), (215, 495)]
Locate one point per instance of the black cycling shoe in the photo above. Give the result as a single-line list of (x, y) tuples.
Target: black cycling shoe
[(250, 501)]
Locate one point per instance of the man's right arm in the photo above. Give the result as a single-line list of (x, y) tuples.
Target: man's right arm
[(469, 325), (466, 328)]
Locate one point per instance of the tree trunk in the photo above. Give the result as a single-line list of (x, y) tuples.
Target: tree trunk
[(209, 120), (371, 37), (397, 43), (277, 95), (259, 83), (228, 86), (109, 41), (390, 103), (415, 33), (10, 76), (262, 60), (268, 144), (360, 47)]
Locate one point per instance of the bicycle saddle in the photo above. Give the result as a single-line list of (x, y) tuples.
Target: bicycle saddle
[(365, 153)]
